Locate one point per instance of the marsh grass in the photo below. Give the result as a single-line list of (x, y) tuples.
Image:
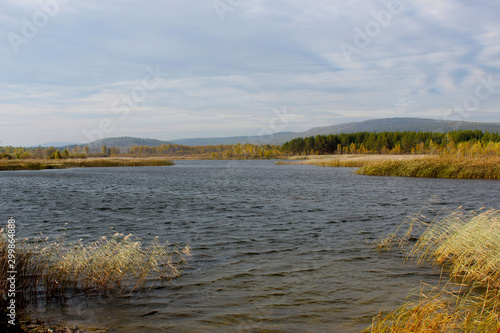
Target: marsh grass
[(347, 161), (461, 167), (467, 245), (483, 166), (442, 311), (114, 264), (11, 165)]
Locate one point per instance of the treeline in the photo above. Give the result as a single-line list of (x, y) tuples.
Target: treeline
[(22, 153), (394, 143), (463, 142), (242, 151), (245, 151)]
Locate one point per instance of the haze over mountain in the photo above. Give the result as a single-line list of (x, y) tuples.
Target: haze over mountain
[(373, 125), (274, 139), (403, 124)]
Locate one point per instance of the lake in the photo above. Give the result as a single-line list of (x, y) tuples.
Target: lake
[(275, 248)]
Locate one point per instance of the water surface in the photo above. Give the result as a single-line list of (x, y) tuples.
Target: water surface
[(275, 248)]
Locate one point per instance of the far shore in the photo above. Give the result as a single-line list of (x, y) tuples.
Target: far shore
[(42, 164), (421, 166), (424, 166), (361, 159)]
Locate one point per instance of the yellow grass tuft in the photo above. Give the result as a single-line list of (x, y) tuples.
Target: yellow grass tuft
[(441, 311), (111, 264), (467, 244)]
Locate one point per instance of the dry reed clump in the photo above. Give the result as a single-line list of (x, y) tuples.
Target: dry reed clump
[(476, 167), (467, 244), (441, 311), (11, 165), (111, 264)]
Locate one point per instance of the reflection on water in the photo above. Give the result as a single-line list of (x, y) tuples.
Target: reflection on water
[(275, 248)]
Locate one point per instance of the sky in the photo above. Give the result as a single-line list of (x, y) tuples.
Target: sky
[(76, 71)]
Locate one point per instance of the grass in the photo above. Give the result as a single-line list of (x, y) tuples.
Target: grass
[(350, 161), (41, 164), (442, 311), (484, 167), (423, 166), (117, 264), (467, 244)]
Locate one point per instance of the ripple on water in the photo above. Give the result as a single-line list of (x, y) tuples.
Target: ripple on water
[(275, 248)]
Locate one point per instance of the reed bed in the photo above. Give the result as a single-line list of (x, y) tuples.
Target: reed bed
[(441, 311), (349, 161), (485, 166), (460, 167), (339, 163), (113, 264), (11, 165), (467, 245)]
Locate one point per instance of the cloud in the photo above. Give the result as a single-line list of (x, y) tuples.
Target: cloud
[(226, 77)]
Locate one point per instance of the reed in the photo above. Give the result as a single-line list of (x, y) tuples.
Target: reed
[(467, 242), (11, 165), (441, 311), (116, 264), (347, 161), (467, 245), (339, 163), (479, 166), (461, 167)]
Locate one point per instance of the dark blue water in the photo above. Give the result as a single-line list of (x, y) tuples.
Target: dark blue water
[(275, 248)]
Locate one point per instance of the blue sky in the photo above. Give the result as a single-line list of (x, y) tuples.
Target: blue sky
[(79, 70)]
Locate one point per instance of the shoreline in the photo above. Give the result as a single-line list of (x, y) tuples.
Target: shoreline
[(112, 161), (417, 166), (346, 160), (92, 162)]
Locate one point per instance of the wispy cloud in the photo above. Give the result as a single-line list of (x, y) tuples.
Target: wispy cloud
[(225, 77)]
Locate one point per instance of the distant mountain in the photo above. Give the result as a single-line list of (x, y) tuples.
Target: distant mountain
[(403, 124), (274, 139), (124, 143), (374, 125), (57, 144), (128, 141)]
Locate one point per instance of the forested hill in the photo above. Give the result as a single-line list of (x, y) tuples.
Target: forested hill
[(374, 125), (402, 125), (273, 139), (124, 143), (395, 143)]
